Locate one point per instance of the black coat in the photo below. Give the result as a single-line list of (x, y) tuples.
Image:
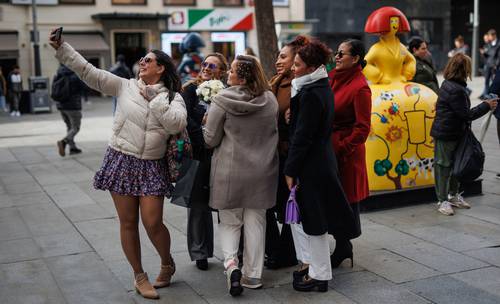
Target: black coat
[(492, 55), (77, 87), (453, 111), (311, 161), (426, 74), (195, 112)]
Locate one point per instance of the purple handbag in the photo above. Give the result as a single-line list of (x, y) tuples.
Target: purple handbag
[(292, 215)]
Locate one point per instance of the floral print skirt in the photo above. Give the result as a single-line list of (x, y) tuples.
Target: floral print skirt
[(128, 175)]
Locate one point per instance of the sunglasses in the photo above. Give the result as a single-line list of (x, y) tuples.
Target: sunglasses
[(146, 59), (211, 66), (340, 54)]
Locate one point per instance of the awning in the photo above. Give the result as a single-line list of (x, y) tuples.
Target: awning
[(86, 42), (9, 47)]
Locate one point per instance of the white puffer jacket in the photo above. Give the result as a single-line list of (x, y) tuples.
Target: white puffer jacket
[(140, 128)]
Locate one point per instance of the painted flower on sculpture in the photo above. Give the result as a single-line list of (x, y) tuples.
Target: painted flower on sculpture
[(394, 108), (394, 133)]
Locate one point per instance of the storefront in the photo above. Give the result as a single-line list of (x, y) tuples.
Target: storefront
[(9, 51), (225, 30)]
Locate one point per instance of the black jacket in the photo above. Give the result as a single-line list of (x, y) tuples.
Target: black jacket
[(120, 69), (492, 55), (75, 101), (200, 193), (453, 111), (495, 89), (311, 160)]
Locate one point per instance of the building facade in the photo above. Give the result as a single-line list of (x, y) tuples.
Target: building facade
[(102, 29)]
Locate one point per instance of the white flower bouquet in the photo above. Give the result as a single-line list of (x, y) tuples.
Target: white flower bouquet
[(208, 89)]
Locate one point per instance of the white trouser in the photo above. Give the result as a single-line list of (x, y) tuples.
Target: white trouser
[(254, 221), (313, 250)]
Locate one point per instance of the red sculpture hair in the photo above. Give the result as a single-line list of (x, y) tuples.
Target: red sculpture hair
[(379, 20)]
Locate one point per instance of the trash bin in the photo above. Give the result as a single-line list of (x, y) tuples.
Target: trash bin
[(39, 94)]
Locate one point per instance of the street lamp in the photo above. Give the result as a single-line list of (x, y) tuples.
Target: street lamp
[(36, 40)]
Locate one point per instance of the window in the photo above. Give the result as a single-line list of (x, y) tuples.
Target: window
[(179, 2), (280, 2), (228, 2), (129, 2), (76, 1)]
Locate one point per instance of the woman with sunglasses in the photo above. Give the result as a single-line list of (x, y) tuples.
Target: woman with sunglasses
[(242, 128), (312, 168), (280, 251), (148, 112), (200, 231), (351, 127)]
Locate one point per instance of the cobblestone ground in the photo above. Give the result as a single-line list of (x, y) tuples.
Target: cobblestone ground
[(59, 238)]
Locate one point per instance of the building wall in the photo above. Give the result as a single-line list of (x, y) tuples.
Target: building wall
[(77, 18)]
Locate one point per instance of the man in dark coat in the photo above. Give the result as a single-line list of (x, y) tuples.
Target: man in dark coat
[(71, 109), (120, 69), (495, 89), (492, 60)]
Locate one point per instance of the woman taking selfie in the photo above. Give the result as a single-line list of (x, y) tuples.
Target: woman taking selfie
[(148, 112)]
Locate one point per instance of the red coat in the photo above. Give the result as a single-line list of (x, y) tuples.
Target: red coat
[(351, 127)]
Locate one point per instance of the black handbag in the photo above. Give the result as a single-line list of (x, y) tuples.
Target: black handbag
[(181, 195), (469, 158)]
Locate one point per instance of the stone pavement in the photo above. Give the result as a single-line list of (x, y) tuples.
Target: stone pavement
[(59, 238)]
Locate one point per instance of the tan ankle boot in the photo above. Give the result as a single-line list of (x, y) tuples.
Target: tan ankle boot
[(166, 273), (144, 287)]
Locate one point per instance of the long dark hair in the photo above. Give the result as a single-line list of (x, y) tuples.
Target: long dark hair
[(415, 43), (357, 48), (169, 76)]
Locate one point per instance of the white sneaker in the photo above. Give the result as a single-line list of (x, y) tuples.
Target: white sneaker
[(445, 208), (252, 283), (18, 114), (13, 113), (458, 201)]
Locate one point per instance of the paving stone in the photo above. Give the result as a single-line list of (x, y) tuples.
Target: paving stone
[(445, 289), (487, 279), (438, 258), (12, 225), (489, 255), (75, 171), (123, 271), (20, 188), (450, 238), (6, 156), (24, 199), (18, 250), (19, 177), (104, 236), (47, 174), (485, 213), (84, 278), (27, 155), (28, 282), (394, 267), (177, 292), (87, 212), (96, 195), (68, 195), (381, 236), (45, 219), (62, 244), (5, 201), (286, 294), (366, 287), (403, 219)]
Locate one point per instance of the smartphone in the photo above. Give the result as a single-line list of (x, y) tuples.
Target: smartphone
[(56, 36)]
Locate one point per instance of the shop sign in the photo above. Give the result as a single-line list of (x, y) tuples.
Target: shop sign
[(210, 19), (38, 2)]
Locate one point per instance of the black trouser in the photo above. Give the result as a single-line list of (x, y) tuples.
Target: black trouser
[(341, 242), (200, 234)]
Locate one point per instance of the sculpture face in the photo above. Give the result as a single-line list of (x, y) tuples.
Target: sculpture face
[(394, 25)]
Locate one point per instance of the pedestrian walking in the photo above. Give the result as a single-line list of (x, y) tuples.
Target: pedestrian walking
[(492, 60), (200, 231), (15, 87), (67, 84), (453, 115), (3, 92), (460, 47), (280, 251), (120, 69), (495, 89), (242, 128), (312, 168), (149, 111), (351, 126), (426, 72)]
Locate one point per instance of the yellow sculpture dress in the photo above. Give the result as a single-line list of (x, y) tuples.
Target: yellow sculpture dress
[(399, 149)]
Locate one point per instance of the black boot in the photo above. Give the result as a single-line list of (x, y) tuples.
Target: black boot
[(310, 284), (343, 250), (298, 275), (202, 264)]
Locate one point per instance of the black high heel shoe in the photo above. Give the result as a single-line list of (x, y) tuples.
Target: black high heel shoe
[(310, 284), (343, 250)]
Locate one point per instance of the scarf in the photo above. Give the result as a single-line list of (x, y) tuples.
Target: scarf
[(299, 83), (340, 78)]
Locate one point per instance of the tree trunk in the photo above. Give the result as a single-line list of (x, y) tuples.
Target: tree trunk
[(266, 35)]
